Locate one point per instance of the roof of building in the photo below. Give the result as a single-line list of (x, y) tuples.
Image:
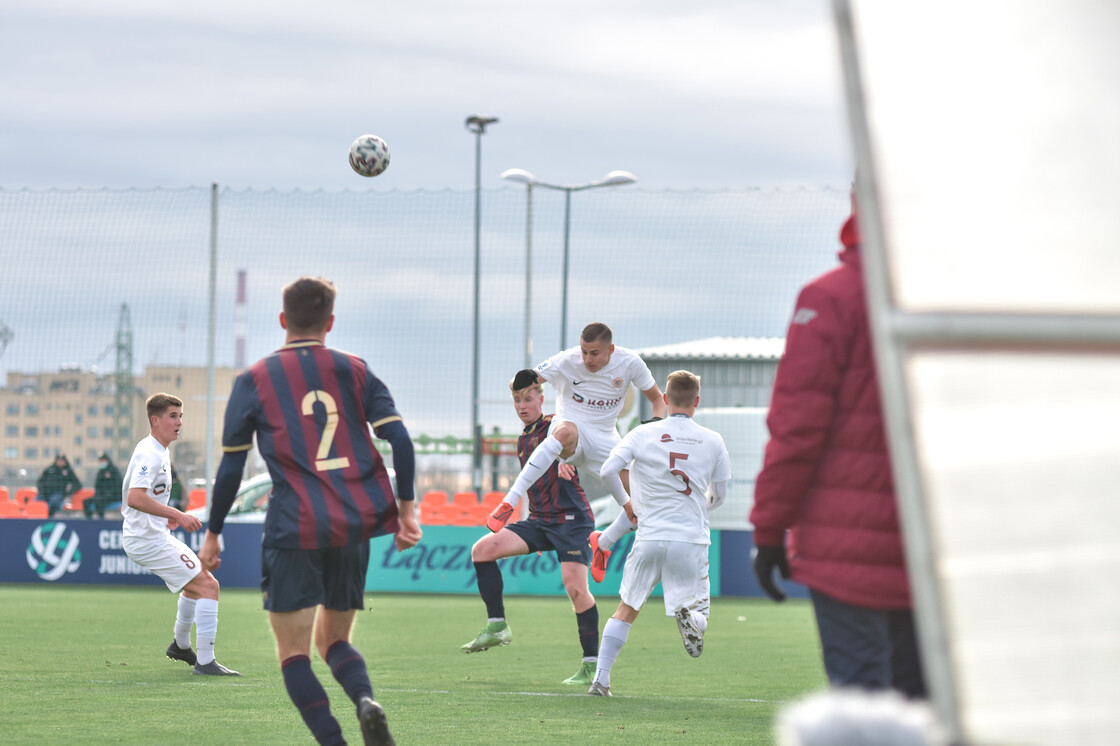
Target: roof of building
[(719, 348)]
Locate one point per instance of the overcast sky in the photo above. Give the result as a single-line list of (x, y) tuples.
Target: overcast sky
[(703, 94)]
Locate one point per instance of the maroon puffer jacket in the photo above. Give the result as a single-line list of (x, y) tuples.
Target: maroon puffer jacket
[(826, 475)]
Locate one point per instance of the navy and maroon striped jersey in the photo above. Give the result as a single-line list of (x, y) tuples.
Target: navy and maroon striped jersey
[(309, 406), (551, 499)]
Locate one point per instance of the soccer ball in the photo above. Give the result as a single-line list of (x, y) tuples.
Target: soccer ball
[(369, 155)]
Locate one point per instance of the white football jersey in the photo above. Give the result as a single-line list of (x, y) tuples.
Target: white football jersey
[(594, 399), (672, 462), (148, 469)]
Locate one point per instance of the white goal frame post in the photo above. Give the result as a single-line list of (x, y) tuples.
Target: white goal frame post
[(987, 134)]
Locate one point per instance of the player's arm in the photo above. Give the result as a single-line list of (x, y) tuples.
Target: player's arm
[(717, 493), (139, 499), (226, 483), (656, 400), (611, 474), (404, 463)]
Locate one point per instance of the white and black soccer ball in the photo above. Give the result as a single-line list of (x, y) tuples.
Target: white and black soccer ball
[(369, 155)]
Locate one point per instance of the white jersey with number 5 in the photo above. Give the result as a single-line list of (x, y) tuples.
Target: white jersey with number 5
[(672, 462), (594, 399)]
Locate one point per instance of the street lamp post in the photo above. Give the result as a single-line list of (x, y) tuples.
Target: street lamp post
[(520, 175), (477, 124), (614, 178)]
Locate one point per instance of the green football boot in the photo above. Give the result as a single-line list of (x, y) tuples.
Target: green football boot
[(496, 633), (584, 675)]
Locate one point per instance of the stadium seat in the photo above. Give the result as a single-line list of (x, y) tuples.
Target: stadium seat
[(464, 500), (5, 496), (77, 499), (435, 498), (9, 509), (492, 498), (461, 511), (197, 499), (433, 515), (25, 495), (35, 509)]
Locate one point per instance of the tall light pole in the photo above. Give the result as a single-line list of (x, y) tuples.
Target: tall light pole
[(613, 178), (523, 176), (477, 124)]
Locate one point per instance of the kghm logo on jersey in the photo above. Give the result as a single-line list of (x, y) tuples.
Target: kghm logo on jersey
[(53, 551)]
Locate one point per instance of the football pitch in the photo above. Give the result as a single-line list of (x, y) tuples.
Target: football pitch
[(85, 665)]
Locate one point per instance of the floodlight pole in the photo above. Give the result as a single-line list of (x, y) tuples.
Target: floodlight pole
[(477, 124), (613, 178)]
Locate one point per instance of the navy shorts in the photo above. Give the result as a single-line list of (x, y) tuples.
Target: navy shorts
[(569, 539), (294, 579)]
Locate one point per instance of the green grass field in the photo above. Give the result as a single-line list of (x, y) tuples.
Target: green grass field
[(85, 665)]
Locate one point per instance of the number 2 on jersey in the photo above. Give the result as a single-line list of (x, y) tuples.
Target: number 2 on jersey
[(322, 463), (673, 458)]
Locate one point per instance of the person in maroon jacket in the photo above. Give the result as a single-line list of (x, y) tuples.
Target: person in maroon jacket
[(826, 480)]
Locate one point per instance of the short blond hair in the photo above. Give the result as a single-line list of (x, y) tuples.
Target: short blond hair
[(682, 388)]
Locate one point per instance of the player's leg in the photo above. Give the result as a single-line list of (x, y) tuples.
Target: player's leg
[(293, 630), (562, 442), (687, 592), (485, 555), (292, 589), (640, 575), (204, 589), (574, 575), (344, 581)]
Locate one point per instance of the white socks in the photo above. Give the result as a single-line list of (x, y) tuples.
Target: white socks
[(184, 620), (535, 468), (612, 533), (614, 637), (206, 619)]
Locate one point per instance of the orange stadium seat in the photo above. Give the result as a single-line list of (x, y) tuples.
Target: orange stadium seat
[(35, 509), (77, 499), (9, 509), (434, 508), (5, 496), (25, 495), (197, 499), (462, 510)]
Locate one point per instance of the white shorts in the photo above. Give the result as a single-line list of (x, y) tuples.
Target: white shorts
[(167, 557), (680, 567), (592, 447)]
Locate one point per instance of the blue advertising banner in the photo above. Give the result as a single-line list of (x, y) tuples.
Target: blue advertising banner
[(88, 551)]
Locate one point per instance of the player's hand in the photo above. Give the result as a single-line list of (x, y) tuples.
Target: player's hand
[(629, 508), (210, 555), (407, 536), (524, 379), (765, 560), (566, 471), (186, 521)]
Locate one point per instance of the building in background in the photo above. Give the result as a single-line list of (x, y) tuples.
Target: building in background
[(72, 411)]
